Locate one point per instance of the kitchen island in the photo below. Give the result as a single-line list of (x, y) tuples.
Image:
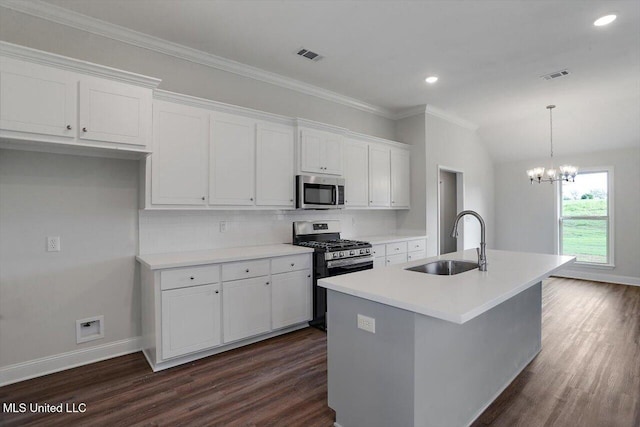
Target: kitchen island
[(435, 350)]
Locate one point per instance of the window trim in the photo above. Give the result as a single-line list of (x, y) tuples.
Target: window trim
[(610, 218)]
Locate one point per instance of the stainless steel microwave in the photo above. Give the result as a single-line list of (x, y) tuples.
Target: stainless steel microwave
[(318, 192)]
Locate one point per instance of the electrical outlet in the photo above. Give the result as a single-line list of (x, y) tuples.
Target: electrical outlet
[(53, 243), (367, 323), (223, 226)]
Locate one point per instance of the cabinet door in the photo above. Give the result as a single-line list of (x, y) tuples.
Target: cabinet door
[(332, 158), (400, 178), (290, 298), (274, 166), (379, 262), (312, 151), (246, 308), (179, 171), (190, 319), (379, 176), (356, 173), (115, 112), (232, 160), (37, 99)]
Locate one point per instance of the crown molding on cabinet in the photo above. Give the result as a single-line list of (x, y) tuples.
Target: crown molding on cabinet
[(437, 112), (375, 139), (410, 112), (194, 101), (75, 65), (96, 26), (320, 126)]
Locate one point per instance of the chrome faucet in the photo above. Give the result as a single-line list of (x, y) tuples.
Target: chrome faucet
[(482, 250)]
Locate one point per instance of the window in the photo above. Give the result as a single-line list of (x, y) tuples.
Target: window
[(586, 217)]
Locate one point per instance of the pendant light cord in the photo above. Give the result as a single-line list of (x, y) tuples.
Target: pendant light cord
[(551, 128)]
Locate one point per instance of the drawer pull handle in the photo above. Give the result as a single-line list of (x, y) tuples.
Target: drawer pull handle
[(308, 275), (191, 277), (292, 264), (247, 270), (267, 283), (217, 292), (69, 127), (84, 129)]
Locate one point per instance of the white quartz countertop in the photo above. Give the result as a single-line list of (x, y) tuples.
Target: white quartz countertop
[(212, 256), (390, 238), (458, 298)]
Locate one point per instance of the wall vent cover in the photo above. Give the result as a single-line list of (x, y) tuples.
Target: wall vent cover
[(305, 53), (555, 75)]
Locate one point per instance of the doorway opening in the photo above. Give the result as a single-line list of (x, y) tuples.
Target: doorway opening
[(450, 202)]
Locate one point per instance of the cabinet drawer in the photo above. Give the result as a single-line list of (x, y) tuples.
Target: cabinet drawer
[(379, 262), (412, 256), (396, 248), (396, 259), (285, 264), (378, 250), (189, 276), (245, 269), (417, 245)]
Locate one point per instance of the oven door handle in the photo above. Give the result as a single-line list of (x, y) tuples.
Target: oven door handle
[(350, 263)]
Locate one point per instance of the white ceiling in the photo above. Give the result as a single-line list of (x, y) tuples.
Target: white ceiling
[(489, 56)]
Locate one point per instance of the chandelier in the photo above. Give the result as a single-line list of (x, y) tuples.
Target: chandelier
[(540, 174)]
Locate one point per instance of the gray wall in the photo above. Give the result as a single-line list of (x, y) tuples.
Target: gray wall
[(91, 204), (528, 219), (411, 130)]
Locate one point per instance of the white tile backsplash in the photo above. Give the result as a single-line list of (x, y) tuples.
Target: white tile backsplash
[(177, 231)]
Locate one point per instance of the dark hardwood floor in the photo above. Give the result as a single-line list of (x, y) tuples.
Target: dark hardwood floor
[(588, 374)]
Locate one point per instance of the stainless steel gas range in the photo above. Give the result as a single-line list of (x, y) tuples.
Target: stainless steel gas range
[(332, 256)]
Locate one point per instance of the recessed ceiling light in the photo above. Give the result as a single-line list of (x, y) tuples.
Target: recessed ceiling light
[(431, 79), (605, 20)]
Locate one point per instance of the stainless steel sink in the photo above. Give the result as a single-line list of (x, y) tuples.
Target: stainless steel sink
[(445, 267)]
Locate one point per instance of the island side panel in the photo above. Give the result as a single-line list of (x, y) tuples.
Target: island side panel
[(370, 376), (461, 369)]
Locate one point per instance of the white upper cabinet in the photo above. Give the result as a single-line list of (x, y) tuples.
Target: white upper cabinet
[(274, 165), (37, 99), (379, 176), (356, 173), (232, 160), (114, 112), (400, 178), (180, 167), (320, 152), (71, 104)]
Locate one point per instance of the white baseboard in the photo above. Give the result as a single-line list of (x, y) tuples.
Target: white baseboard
[(599, 277), (60, 362)]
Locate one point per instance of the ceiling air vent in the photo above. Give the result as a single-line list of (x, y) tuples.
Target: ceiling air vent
[(555, 75), (309, 55)]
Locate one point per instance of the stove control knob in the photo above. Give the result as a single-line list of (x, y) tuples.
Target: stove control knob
[(341, 254), (368, 251), (361, 251), (352, 253), (336, 255)]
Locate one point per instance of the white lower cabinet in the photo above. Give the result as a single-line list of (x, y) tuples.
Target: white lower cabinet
[(193, 311), (412, 256), (379, 261), (398, 252), (396, 259), (190, 319), (290, 298), (246, 308)]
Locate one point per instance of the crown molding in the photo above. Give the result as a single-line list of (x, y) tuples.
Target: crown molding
[(437, 112), (11, 50), (96, 26), (410, 112), (164, 95)]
